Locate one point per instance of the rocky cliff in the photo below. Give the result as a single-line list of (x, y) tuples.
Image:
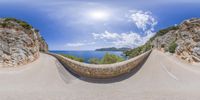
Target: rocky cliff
[(20, 43), (185, 38)]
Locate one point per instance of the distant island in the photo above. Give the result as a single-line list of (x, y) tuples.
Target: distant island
[(113, 49)]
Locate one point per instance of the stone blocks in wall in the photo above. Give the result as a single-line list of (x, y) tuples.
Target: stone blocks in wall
[(104, 70)]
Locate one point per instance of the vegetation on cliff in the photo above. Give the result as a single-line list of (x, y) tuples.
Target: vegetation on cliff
[(182, 39), (163, 32), (73, 57), (139, 50), (8, 22), (172, 47), (107, 59), (19, 42), (94, 61), (113, 49), (148, 45)]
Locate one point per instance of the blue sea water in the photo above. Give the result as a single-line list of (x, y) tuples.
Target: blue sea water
[(86, 55)]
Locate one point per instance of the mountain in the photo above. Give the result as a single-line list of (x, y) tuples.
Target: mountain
[(20, 43), (113, 49), (183, 40)]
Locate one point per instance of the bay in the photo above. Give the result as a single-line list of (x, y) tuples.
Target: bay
[(86, 55)]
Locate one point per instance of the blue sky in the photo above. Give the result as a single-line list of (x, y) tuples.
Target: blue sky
[(91, 24)]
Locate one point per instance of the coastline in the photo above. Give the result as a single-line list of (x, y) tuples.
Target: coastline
[(87, 54)]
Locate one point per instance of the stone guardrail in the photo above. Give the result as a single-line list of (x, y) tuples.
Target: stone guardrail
[(101, 70)]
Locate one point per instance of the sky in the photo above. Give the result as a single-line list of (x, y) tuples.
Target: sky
[(92, 24)]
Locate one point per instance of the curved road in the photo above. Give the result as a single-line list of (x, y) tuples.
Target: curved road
[(161, 77)]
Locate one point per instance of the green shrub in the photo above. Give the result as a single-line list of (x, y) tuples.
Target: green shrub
[(107, 59), (147, 46), (111, 58), (20, 22), (4, 25), (164, 31), (73, 57), (139, 50), (94, 61), (10, 19), (172, 47), (7, 24), (37, 30), (25, 25)]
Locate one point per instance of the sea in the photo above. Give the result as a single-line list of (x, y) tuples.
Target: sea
[(86, 55)]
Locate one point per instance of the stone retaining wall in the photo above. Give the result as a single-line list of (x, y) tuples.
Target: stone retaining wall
[(102, 70)]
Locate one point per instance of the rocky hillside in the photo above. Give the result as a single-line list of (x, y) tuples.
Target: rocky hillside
[(20, 43), (183, 40), (186, 40)]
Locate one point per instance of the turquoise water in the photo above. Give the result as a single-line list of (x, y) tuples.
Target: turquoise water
[(86, 55)]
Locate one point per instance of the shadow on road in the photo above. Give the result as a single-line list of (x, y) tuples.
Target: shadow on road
[(100, 81)]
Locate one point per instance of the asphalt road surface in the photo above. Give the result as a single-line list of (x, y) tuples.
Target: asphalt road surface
[(161, 77)]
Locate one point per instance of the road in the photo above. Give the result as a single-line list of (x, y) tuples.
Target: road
[(161, 77)]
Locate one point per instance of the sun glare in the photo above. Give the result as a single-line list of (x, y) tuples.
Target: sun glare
[(99, 15)]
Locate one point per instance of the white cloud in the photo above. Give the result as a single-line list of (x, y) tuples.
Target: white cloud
[(143, 19), (106, 35), (130, 39), (78, 44), (77, 17)]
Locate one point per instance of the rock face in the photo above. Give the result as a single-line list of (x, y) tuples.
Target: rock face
[(187, 38), (20, 43)]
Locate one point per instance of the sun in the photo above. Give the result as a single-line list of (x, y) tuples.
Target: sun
[(99, 15)]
